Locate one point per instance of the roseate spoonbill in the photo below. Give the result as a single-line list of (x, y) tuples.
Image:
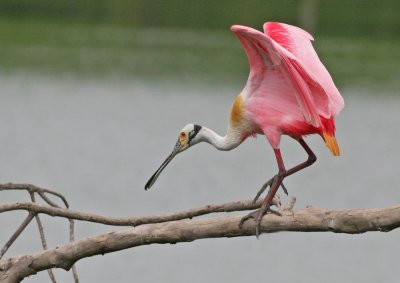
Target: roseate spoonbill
[(288, 92)]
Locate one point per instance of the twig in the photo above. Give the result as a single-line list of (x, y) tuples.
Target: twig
[(16, 234), (42, 236), (32, 190), (71, 239), (134, 221)]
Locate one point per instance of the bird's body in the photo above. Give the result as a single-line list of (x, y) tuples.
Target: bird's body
[(288, 92)]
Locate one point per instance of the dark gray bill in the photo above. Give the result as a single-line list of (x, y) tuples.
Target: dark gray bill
[(153, 178)]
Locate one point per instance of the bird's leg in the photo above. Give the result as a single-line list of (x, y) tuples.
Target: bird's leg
[(266, 185), (276, 182), (310, 160), (263, 188)]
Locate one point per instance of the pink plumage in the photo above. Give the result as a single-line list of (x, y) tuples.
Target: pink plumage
[(289, 90)]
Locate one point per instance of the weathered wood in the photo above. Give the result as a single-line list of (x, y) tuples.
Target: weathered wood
[(133, 221), (351, 221)]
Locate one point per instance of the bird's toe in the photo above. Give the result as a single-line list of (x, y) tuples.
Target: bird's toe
[(257, 215)]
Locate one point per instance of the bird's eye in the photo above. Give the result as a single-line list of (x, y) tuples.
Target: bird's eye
[(183, 135)]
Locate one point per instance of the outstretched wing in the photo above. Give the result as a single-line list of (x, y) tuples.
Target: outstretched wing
[(298, 42), (274, 55)]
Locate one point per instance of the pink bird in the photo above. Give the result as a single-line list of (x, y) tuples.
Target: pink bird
[(288, 92)]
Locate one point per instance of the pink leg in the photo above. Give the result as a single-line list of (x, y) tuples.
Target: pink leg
[(277, 181)]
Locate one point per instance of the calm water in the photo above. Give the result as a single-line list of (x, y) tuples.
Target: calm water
[(97, 142)]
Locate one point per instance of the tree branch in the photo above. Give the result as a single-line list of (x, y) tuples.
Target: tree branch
[(135, 221), (32, 190), (306, 220)]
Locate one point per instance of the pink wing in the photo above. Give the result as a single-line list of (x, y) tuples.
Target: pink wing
[(298, 42), (277, 71)]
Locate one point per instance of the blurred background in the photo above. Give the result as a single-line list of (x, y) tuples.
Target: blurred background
[(93, 94), (358, 40)]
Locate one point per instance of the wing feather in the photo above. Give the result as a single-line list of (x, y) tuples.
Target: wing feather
[(298, 42), (276, 51)]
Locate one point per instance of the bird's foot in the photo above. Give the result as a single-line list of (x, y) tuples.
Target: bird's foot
[(284, 189), (269, 183), (257, 215)]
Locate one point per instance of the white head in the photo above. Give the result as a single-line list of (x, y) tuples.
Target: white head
[(188, 136)]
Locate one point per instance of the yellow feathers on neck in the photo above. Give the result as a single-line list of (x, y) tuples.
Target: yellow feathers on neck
[(237, 111)]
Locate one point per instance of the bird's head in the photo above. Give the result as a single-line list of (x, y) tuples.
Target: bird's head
[(188, 136)]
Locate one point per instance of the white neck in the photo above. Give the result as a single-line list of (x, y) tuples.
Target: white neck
[(232, 139)]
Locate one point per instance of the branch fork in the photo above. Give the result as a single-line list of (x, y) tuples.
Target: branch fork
[(181, 227)]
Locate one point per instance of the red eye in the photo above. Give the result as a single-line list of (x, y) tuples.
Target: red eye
[(183, 135)]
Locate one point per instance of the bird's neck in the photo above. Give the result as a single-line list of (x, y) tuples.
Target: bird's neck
[(232, 139)]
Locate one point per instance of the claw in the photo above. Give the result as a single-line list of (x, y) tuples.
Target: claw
[(284, 189), (263, 188), (257, 215), (244, 218), (274, 183), (269, 183), (257, 220)]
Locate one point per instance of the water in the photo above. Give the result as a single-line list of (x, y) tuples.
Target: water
[(97, 142)]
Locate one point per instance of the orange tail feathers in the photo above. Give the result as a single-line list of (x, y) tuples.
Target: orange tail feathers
[(331, 143)]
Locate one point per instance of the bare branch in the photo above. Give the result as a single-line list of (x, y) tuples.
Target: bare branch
[(306, 220), (16, 234), (134, 221), (71, 239), (32, 190), (176, 227), (42, 237)]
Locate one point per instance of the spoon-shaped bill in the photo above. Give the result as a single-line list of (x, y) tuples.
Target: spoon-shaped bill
[(153, 178)]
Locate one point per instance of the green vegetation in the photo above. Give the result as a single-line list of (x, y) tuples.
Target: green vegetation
[(110, 50), (97, 50), (190, 40), (335, 17)]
